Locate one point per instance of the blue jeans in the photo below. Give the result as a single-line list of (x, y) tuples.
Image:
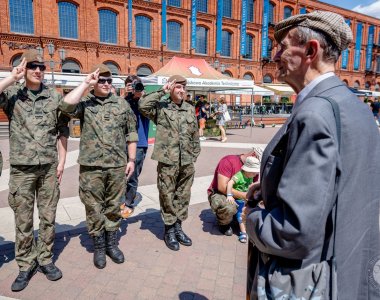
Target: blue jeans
[(240, 204), (133, 181)]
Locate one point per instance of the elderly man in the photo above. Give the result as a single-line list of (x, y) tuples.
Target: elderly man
[(36, 127), (107, 125), (316, 174), (176, 149)]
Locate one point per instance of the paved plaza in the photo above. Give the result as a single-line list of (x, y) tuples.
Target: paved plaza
[(213, 268)]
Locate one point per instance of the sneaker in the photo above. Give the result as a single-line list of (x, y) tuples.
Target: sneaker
[(23, 278), (51, 271), (225, 229)]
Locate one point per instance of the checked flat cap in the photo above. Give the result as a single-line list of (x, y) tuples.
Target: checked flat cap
[(331, 24)]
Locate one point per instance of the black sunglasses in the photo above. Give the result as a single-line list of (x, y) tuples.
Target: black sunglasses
[(103, 80), (34, 66)]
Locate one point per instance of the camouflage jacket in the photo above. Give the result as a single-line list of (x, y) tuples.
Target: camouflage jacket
[(177, 138), (35, 122), (106, 126)]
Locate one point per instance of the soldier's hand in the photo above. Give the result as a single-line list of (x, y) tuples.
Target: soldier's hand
[(60, 169), (19, 71), (92, 78), (168, 86), (129, 169)]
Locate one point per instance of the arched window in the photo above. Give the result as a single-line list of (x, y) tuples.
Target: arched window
[(288, 12), (16, 60), (227, 8), (176, 3), (144, 71), (227, 73), (378, 61), (367, 85), (113, 67), (143, 31), (356, 85), (226, 43), (377, 87), (21, 16), (107, 26), (267, 79), (271, 13), (174, 36), (248, 76), (249, 46), (201, 42), (202, 6), (70, 66), (68, 20), (345, 82), (251, 11)]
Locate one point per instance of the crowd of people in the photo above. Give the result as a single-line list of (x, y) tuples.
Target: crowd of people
[(302, 204)]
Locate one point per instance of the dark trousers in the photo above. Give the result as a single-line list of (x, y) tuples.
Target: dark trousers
[(133, 181)]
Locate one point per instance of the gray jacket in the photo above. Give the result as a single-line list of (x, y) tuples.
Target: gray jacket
[(298, 182)]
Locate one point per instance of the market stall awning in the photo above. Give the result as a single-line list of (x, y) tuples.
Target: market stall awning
[(370, 93), (280, 89), (255, 90)]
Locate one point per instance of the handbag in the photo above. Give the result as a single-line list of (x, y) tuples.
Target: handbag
[(226, 116), (279, 278)]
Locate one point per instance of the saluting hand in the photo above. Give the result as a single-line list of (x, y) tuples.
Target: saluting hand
[(168, 87), (19, 71), (92, 78)]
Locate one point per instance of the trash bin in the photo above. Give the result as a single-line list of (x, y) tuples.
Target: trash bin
[(74, 127)]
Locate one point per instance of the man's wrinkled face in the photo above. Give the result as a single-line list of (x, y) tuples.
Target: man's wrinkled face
[(103, 87), (290, 59), (178, 92)]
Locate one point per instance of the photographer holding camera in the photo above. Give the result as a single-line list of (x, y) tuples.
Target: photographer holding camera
[(134, 90)]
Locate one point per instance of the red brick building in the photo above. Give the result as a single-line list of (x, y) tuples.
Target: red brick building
[(98, 31)]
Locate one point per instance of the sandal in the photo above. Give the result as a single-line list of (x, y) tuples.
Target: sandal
[(243, 237), (126, 211)]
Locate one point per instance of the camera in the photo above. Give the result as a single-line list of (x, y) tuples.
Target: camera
[(138, 86)]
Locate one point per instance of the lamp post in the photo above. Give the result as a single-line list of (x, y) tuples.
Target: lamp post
[(62, 56)]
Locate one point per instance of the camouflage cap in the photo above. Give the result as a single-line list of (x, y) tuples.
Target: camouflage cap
[(32, 55), (178, 79), (103, 70), (331, 24)]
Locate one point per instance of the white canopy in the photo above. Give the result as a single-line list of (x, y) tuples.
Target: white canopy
[(255, 90)]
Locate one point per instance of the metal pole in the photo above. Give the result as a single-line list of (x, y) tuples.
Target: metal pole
[(52, 73)]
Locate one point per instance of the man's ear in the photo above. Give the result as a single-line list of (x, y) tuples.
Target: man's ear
[(311, 48)]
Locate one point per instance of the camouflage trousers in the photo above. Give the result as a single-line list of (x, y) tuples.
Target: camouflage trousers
[(100, 190), (26, 184), (223, 209), (174, 186)]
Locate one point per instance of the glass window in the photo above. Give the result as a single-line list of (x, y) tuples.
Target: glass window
[(227, 8), (201, 42), (227, 73), (202, 6), (247, 76), (143, 32), (367, 85), (249, 46), (113, 67), (68, 20), (288, 12), (70, 66), (174, 36), (226, 43), (21, 16), (251, 11), (378, 64), (16, 60), (143, 71), (176, 3), (267, 79), (270, 48), (377, 87), (356, 85), (271, 13), (108, 26)]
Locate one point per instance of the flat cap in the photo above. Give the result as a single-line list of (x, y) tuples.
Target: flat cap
[(32, 55), (103, 69), (331, 24), (178, 79)]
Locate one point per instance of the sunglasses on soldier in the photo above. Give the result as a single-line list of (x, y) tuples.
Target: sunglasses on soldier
[(33, 66), (104, 80)]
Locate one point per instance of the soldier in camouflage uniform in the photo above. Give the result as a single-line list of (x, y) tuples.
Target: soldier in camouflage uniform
[(36, 125), (107, 124), (176, 149)]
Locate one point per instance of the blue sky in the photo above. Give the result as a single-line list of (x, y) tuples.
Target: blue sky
[(367, 7)]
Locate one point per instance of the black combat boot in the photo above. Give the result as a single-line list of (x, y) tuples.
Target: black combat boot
[(170, 239), (180, 235), (100, 251), (51, 271), (112, 249), (23, 278)]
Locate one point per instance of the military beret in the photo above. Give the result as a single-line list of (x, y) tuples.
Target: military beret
[(331, 24), (103, 69), (32, 55), (178, 79)]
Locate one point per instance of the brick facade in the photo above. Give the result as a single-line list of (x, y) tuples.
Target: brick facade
[(87, 50)]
